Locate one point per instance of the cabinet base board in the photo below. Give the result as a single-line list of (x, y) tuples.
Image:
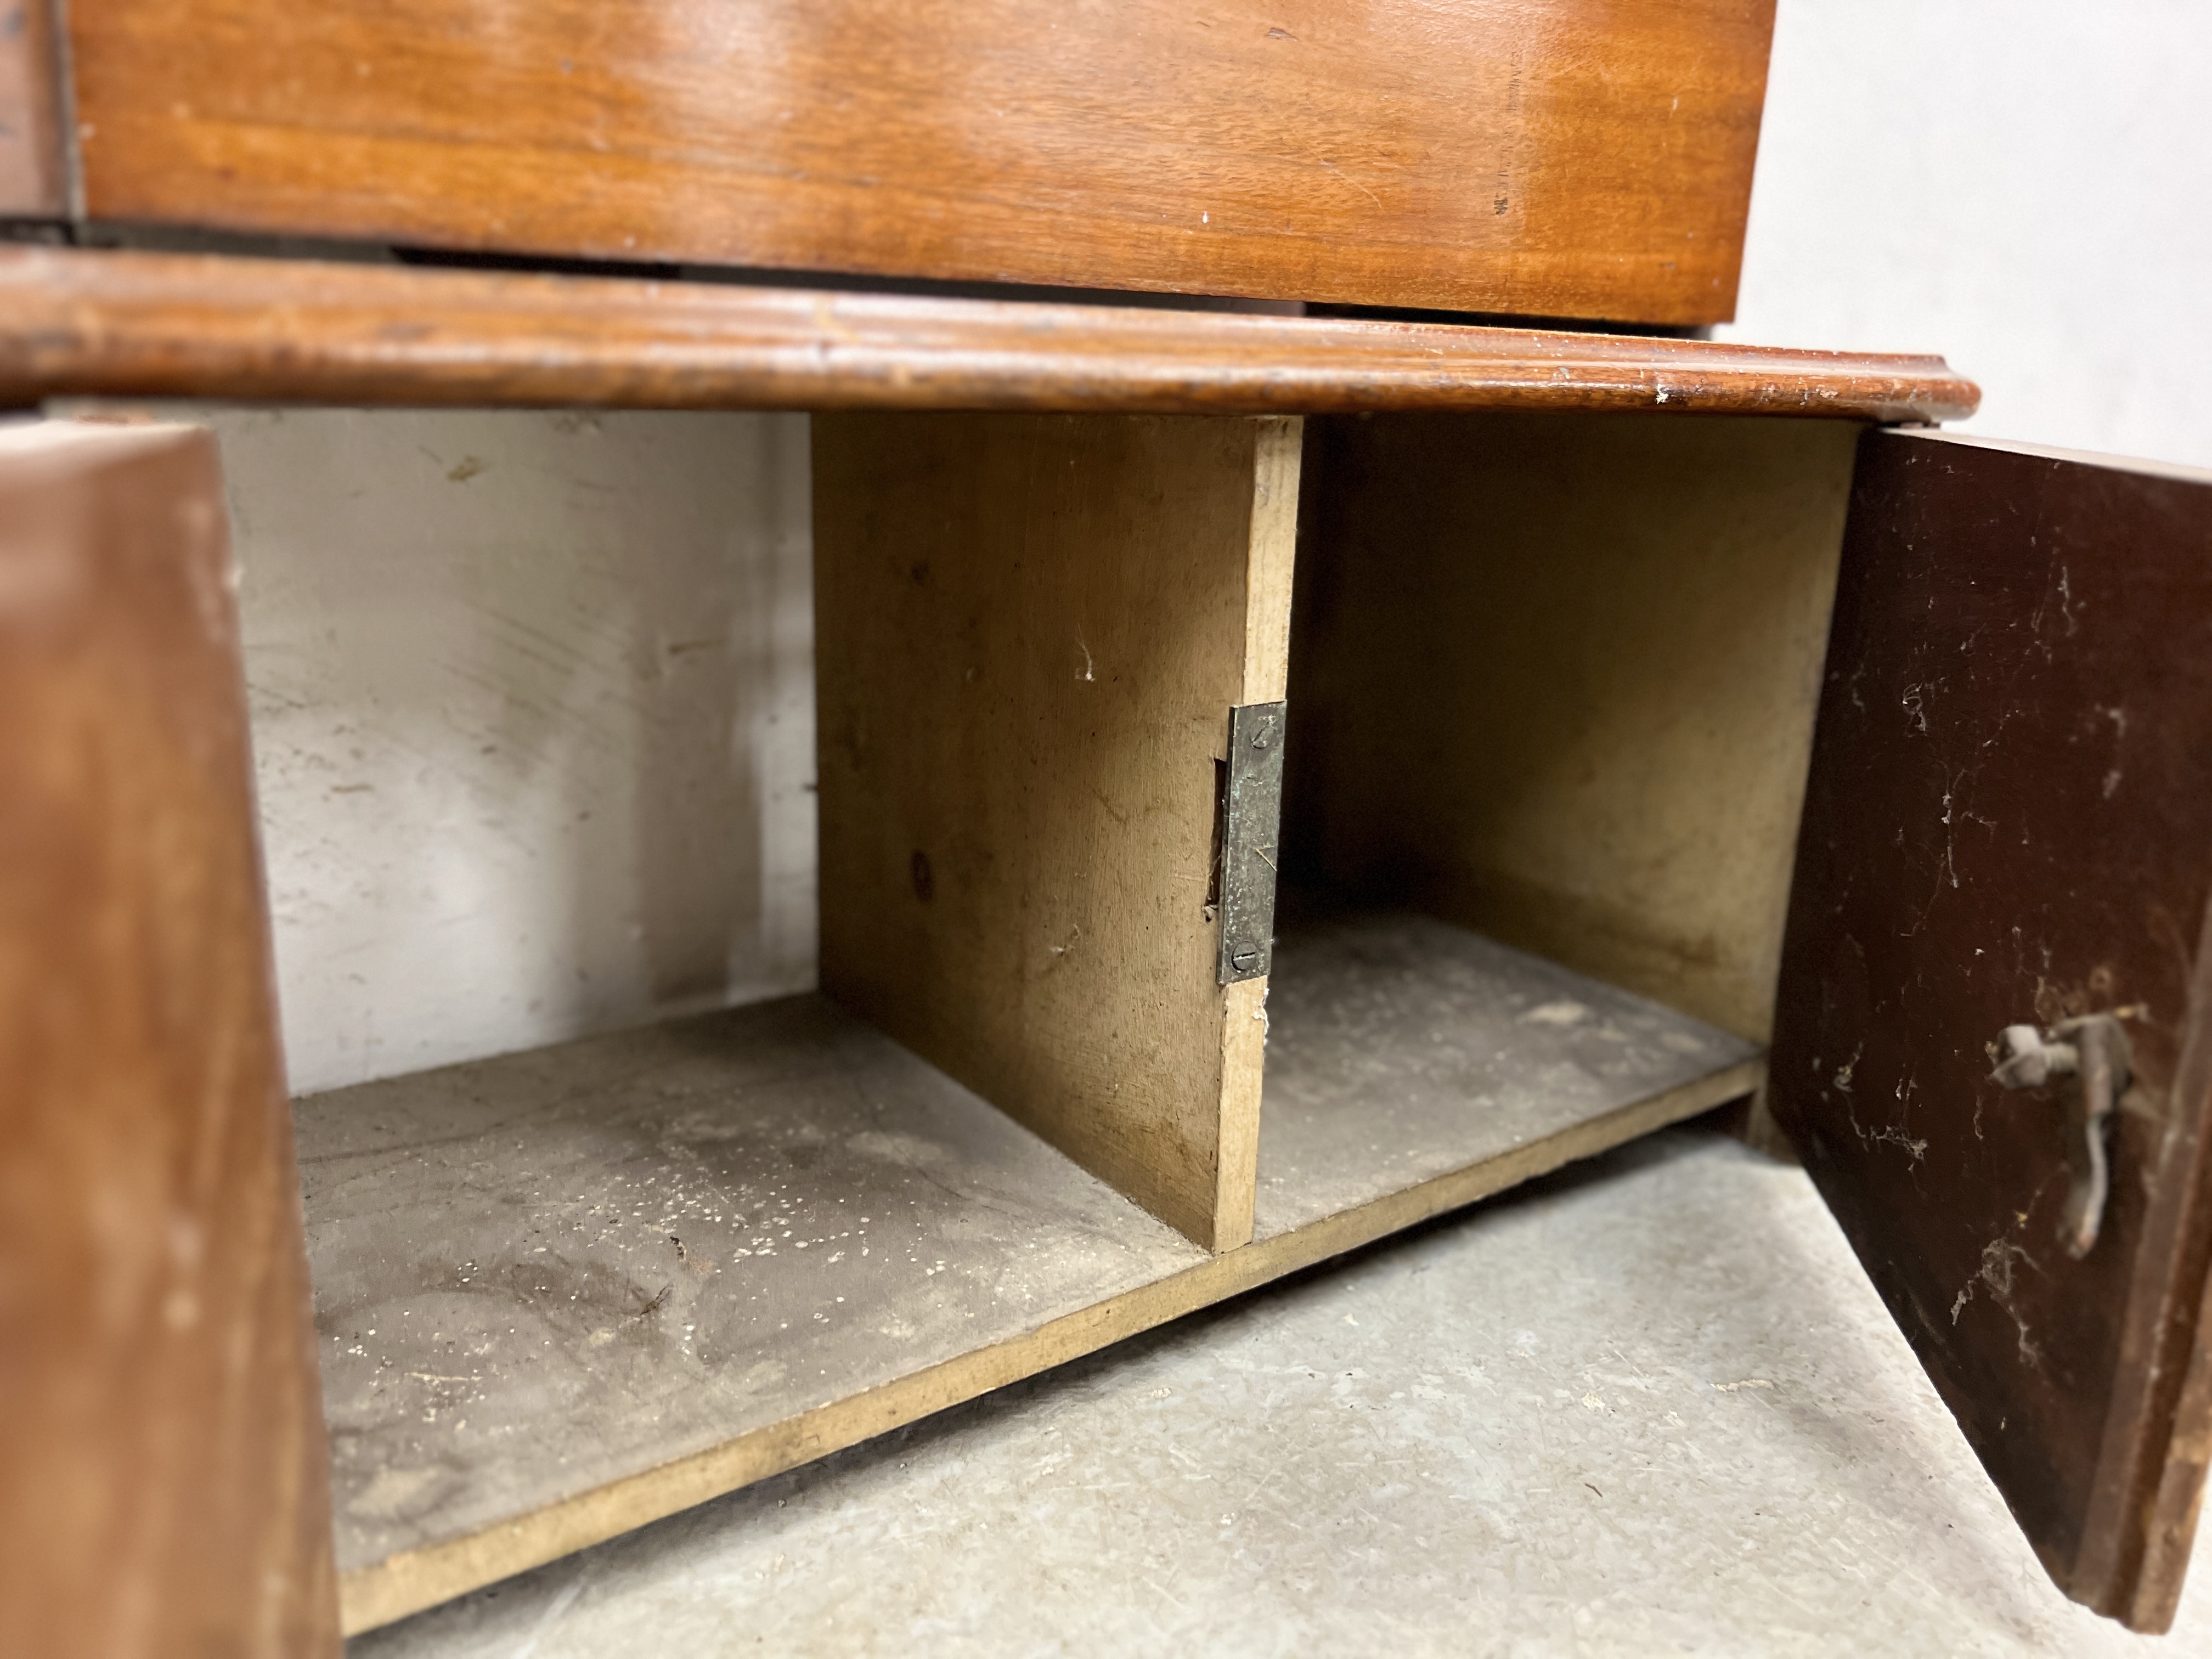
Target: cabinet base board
[(565, 1293)]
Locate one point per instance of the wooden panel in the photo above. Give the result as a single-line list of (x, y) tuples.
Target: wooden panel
[(1029, 631), (33, 184), (693, 1255), (142, 324), (1554, 679), (2008, 821), (1560, 158), (162, 1477)]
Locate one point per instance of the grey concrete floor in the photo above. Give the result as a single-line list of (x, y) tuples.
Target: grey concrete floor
[(1649, 1405)]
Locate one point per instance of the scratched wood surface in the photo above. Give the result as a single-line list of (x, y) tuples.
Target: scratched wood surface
[(162, 1476), (1558, 158), (146, 325), (1029, 630), (2008, 821), (564, 1293)]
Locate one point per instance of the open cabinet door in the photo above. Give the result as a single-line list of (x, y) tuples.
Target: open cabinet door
[(1991, 1045), (163, 1479)]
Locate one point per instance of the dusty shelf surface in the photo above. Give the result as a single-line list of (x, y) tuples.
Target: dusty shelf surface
[(562, 1293), (537, 1275), (1401, 1049)]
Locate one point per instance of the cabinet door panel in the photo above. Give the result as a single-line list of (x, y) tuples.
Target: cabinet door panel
[(163, 1487), (2010, 825)]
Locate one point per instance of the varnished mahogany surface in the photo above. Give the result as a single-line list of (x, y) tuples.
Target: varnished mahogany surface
[(145, 325), (1566, 158), (164, 1484)]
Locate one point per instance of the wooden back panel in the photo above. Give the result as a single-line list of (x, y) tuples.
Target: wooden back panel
[(1566, 158), (163, 1486), (1553, 677)]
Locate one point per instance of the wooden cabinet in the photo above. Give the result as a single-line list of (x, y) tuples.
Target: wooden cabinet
[(1281, 777)]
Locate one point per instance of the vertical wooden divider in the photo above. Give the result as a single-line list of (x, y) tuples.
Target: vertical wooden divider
[(1029, 632)]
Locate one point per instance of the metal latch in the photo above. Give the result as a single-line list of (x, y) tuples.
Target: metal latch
[(2090, 1062), (1251, 818)]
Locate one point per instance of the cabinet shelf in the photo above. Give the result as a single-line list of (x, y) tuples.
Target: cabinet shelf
[(561, 1293)]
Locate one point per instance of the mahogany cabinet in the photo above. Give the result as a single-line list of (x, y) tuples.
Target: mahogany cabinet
[(1282, 777)]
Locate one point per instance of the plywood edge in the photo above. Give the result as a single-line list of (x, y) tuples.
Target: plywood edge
[(1243, 1063), (1279, 446), (137, 325), (419, 1579)]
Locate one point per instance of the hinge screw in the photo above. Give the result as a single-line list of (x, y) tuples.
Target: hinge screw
[(1244, 958)]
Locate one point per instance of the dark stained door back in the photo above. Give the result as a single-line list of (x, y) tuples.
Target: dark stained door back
[(2009, 823)]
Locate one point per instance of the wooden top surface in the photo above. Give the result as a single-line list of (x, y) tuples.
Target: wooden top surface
[(148, 324), (1561, 158)]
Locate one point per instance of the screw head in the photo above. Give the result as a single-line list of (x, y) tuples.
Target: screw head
[(1244, 958)]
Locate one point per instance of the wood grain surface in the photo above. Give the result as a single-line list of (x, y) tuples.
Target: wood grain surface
[(693, 1255), (162, 1472), (146, 325), (1553, 677), (1558, 158), (2009, 820), (1029, 631), (34, 179)]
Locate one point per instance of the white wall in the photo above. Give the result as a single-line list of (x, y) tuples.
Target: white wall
[(2024, 185), (533, 720)]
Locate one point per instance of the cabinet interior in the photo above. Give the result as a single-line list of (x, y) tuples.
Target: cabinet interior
[(1550, 681)]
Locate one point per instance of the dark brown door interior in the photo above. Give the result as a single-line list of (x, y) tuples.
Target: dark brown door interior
[(2009, 825)]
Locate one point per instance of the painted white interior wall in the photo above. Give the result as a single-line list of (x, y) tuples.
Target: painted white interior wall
[(533, 719), (2024, 185)]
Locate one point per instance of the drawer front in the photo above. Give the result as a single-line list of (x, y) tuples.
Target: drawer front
[(1574, 158)]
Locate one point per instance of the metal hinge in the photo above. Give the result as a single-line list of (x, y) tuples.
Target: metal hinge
[(1251, 813)]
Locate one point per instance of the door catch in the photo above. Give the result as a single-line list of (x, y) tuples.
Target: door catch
[(2088, 1060)]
